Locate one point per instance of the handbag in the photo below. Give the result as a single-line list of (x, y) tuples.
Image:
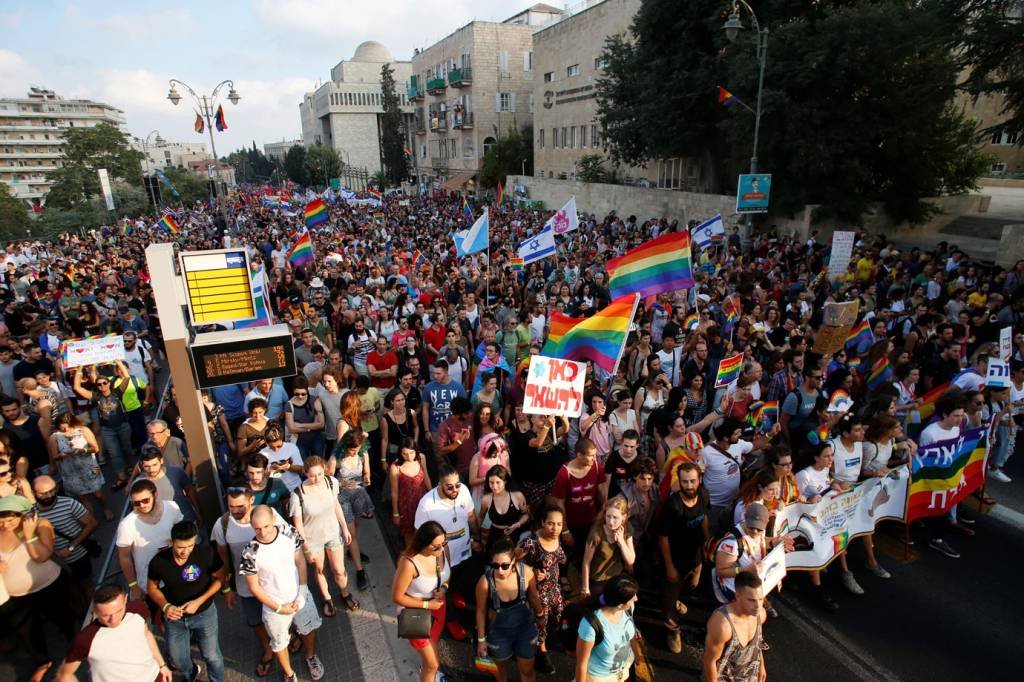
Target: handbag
[(415, 623)]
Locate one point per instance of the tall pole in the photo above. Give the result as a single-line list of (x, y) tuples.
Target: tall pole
[(762, 58)]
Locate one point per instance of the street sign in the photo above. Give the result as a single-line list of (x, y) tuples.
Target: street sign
[(242, 355), (217, 286), (753, 192)]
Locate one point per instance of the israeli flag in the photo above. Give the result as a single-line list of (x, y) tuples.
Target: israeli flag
[(703, 235), (475, 238), (347, 194), (540, 246)]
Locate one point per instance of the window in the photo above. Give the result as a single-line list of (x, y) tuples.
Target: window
[(454, 150), (1003, 136), (600, 63), (595, 141), (573, 70), (467, 147), (583, 136), (554, 138), (670, 174), (572, 138), (540, 139), (489, 142), (505, 101), (528, 61), (503, 60), (565, 137), (529, 103), (548, 76), (998, 167)]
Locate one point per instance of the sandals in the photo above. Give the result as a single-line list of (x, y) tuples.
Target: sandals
[(295, 644), (350, 602), (263, 667), (329, 610)]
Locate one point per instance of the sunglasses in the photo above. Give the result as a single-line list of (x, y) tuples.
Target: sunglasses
[(139, 503), (504, 567), (236, 489)]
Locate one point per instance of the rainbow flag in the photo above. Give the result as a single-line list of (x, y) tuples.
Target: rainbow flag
[(199, 125), (466, 210), (315, 213), (928, 400), (408, 154), (374, 192), (726, 98), (840, 541), (692, 321), (859, 333), (729, 370), (501, 193), (818, 435), (881, 372), (732, 314), (417, 257), (168, 223), (599, 337), (301, 252), (839, 401), (944, 473), (660, 265), (126, 228), (486, 664), (219, 121), (516, 264)]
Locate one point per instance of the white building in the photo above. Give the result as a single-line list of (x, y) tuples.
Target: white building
[(161, 154), (278, 150), (345, 112), (31, 131)]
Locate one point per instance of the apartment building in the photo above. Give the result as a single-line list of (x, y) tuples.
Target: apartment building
[(345, 112), (468, 89), (31, 131), (278, 150), (161, 154)]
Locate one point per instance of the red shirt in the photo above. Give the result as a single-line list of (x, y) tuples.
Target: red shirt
[(381, 362), (434, 336), (579, 494)]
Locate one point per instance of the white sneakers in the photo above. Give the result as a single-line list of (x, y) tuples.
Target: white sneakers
[(850, 583), (998, 475)]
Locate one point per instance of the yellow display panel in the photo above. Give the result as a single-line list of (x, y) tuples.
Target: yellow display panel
[(218, 286)]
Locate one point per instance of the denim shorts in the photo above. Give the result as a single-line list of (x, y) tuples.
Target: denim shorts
[(513, 632), (278, 625), (319, 547)]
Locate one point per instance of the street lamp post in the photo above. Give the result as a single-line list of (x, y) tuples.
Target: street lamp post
[(207, 109), (732, 28)]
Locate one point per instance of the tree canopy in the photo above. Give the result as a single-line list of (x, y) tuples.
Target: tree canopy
[(322, 163), (85, 151), (251, 165), (14, 218), (392, 133), (295, 165), (507, 157)]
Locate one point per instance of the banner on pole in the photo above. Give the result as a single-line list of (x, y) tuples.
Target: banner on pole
[(823, 530), (555, 387), (108, 195), (92, 350), (946, 472), (1006, 344)]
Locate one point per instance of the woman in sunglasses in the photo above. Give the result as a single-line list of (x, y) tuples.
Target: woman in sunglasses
[(508, 607), (421, 582), (10, 482)]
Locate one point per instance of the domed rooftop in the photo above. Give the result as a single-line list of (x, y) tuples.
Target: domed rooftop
[(372, 51)]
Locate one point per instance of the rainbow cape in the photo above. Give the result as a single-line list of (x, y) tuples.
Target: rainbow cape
[(315, 213), (729, 370), (301, 252), (168, 223), (657, 266), (599, 337)]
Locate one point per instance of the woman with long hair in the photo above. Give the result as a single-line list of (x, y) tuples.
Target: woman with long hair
[(623, 417), (353, 472), (493, 452), (779, 460), (399, 424), (609, 550), (486, 422), (542, 551), (764, 488), (611, 658), (409, 482), (504, 509), (421, 582)]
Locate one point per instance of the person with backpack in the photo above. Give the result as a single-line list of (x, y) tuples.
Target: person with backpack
[(604, 651), (797, 415), (320, 521), (741, 550)]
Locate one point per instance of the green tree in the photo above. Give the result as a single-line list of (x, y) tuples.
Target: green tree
[(322, 163), (380, 179), (191, 187), (85, 151), (392, 130), (14, 218), (251, 165), (508, 156), (591, 168), (295, 165)]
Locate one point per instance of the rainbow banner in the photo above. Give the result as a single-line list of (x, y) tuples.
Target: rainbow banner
[(657, 266), (944, 473), (927, 407), (729, 370), (301, 252), (168, 223), (315, 213), (599, 337)]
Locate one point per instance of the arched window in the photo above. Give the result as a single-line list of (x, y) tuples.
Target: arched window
[(489, 142)]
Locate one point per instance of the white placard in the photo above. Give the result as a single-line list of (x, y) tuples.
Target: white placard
[(998, 374), (842, 250), (94, 350), (555, 387), (773, 568), (1006, 344), (108, 195)]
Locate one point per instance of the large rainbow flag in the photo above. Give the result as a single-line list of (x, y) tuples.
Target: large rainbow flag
[(315, 213), (301, 252), (657, 266), (861, 331), (168, 223), (599, 337), (944, 473)]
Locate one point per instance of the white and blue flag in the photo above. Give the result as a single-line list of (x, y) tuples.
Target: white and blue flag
[(705, 234), (475, 238), (539, 246)]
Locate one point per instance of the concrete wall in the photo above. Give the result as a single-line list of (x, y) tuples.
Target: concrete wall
[(1011, 245)]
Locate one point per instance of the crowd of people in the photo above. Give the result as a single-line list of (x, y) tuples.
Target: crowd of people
[(524, 533)]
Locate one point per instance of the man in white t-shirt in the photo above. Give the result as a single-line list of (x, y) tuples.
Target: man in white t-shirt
[(973, 378), (275, 572), (143, 533), (950, 415), (231, 534), (723, 460), (285, 460), (671, 360)]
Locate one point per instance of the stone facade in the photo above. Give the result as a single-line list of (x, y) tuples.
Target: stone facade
[(1006, 146), (278, 150), (468, 89), (163, 154), (344, 113)]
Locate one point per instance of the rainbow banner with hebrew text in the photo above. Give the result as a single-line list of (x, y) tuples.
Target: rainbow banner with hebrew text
[(945, 472)]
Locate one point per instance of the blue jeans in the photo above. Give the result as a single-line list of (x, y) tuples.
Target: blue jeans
[(1004, 443), (117, 443), (204, 625)]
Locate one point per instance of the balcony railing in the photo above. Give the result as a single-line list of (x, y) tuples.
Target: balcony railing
[(439, 123), (435, 86), (421, 128), (459, 77), (463, 120), (414, 93), (437, 162)]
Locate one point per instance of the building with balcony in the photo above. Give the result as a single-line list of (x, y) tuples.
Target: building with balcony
[(278, 150), (467, 90), (345, 112), (161, 154), (31, 138)]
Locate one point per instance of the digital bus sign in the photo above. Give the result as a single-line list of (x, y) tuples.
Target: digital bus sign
[(242, 355)]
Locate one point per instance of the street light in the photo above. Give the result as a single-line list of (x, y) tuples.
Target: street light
[(207, 109), (732, 27)]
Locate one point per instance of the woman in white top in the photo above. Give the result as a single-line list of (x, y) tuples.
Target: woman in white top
[(884, 441), (421, 582), (813, 482), (623, 417), (320, 521)]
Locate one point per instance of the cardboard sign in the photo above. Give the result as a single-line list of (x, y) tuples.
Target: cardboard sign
[(1006, 344), (555, 387), (828, 340), (838, 314), (92, 350)]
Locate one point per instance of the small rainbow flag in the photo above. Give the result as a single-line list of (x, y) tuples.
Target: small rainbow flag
[(859, 333), (516, 264), (486, 664), (466, 210), (219, 120), (928, 400), (168, 223), (818, 435), (732, 314), (126, 228), (374, 192), (199, 125), (501, 193), (599, 337), (657, 266), (301, 252), (729, 370), (408, 153), (315, 213), (692, 321), (854, 365), (417, 257), (881, 372), (726, 98)]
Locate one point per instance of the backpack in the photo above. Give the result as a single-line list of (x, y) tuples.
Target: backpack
[(711, 546), (595, 622)]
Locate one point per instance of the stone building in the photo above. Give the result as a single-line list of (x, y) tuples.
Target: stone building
[(162, 154), (1005, 145), (345, 112), (278, 150), (467, 90)]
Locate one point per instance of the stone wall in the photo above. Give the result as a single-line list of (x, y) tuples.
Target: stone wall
[(1011, 246)]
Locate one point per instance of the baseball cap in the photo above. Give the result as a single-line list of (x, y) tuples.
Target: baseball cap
[(756, 516)]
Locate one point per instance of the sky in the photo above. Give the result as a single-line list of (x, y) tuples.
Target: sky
[(124, 53)]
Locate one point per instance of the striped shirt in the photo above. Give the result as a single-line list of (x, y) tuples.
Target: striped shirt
[(66, 515)]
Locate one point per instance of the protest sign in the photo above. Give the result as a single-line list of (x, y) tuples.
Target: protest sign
[(555, 387), (1006, 344), (773, 568), (946, 472), (842, 250), (998, 375), (828, 340), (838, 314), (92, 350), (823, 530)]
